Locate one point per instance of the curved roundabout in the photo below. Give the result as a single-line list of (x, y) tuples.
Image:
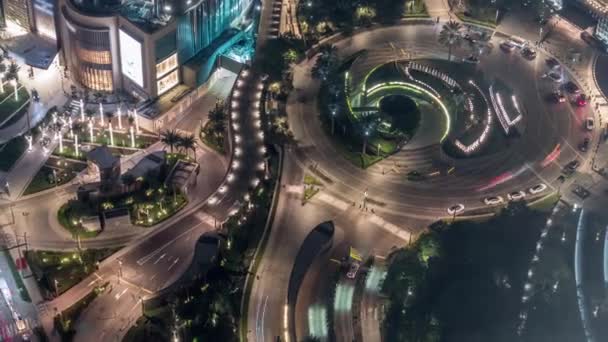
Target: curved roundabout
[(438, 132)]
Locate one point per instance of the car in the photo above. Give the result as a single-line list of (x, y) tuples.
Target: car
[(589, 123), (352, 270), (507, 46), (538, 189), (456, 209), (584, 146), (573, 165), (555, 76), (35, 95), (471, 59), (494, 200), (516, 195), (557, 97), (581, 100), (552, 63), (528, 53), (572, 88)]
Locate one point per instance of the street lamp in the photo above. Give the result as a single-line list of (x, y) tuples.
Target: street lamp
[(333, 119), (119, 270), (365, 141)]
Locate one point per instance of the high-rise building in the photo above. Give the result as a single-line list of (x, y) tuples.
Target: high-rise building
[(17, 13), (139, 46)]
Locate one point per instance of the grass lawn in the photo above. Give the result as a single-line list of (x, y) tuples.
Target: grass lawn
[(216, 142), (44, 179), (309, 192), (120, 139), (11, 151), (311, 180), (67, 268), (8, 105), (416, 9), (68, 216)]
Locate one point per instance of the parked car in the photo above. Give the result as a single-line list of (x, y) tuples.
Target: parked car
[(456, 209), (589, 123), (528, 53), (507, 46), (538, 189), (494, 200), (572, 88), (584, 146), (555, 76), (516, 195), (573, 165), (552, 63)]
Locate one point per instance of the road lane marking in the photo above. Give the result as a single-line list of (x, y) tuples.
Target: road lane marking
[(147, 258), (333, 201), (395, 230), (160, 258), (173, 264), (118, 295)]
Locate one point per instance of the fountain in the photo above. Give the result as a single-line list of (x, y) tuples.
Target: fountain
[(81, 110), (111, 134), (76, 151), (29, 142), (119, 115), (101, 113), (91, 137), (132, 136)]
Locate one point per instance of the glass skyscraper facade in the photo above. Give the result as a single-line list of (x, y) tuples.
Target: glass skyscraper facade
[(199, 26)]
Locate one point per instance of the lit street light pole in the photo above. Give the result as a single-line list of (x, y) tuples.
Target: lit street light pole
[(365, 141), (333, 121)]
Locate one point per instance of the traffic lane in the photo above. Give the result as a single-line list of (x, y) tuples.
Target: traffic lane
[(111, 314), (163, 257)]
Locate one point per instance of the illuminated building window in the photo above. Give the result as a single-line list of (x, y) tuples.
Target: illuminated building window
[(166, 66), (167, 82), (95, 57)]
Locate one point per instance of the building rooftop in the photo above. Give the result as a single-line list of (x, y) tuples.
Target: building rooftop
[(139, 12), (102, 157)]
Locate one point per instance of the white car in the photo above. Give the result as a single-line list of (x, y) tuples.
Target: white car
[(589, 123), (456, 209), (494, 200), (538, 188), (516, 196)]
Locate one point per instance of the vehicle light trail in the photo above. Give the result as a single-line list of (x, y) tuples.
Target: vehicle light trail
[(551, 157), (507, 176)]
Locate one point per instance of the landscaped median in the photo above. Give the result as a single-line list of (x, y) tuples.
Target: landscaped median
[(57, 272)]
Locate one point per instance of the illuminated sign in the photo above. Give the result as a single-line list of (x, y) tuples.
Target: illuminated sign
[(130, 58), (167, 82)]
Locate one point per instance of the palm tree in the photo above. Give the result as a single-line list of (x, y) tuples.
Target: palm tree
[(188, 143), (13, 72), (450, 36), (170, 138)]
